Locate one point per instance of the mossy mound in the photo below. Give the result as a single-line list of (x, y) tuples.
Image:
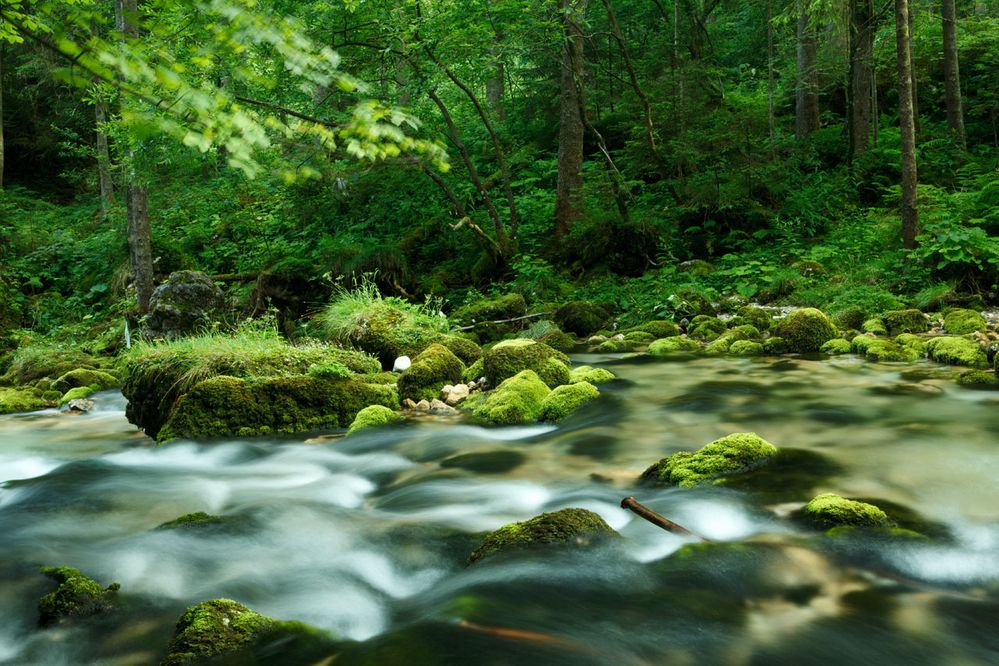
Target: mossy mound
[(517, 400), (805, 330), (510, 357), (31, 362), (234, 407), (906, 321), (577, 527), (753, 316), (775, 346), (586, 373), (474, 372), (564, 400), (851, 317), (984, 379), (673, 345), (431, 370), (76, 394), (14, 400), (581, 318), (689, 303), (745, 348), (913, 342), (957, 351), (225, 631), (874, 326), (886, 351), (613, 347), (836, 346), (733, 454), (373, 416), (745, 331), (639, 337), (466, 350), (660, 328), (959, 321), (830, 510), (507, 306), (707, 328), (549, 333), (79, 377), (77, 596), (196, 520)]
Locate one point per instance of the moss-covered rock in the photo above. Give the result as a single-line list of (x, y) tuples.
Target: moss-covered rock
[(31, 362), (860, 343), (673, 345), (874, 326), (660, 328), (234, 407), (836, 346), (581, 318), (745, 348), (957, 351), (14, 400), (474, 372), (102, 381), (850, 317), (586, 373), (430, 371), (466, 350), (575, 527), (913, 342), (984, 379), (225, 631), (76, 394), (510, 357), (564, 400), (550, 334), (906, 321), (719, 346), (76, 596), (639, 337), (516, 400), (704, 327), (753, 316), (689, 302), (731, 455), (373, 416), (187, 302), (745, 332), (507, 306), (958, 321), (830, 510), (775, 346), (805, 330), (193, 521)]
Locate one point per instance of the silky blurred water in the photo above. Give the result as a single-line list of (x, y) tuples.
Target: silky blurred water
[(367, 537)]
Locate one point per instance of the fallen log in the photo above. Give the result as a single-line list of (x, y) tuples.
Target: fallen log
[(505, 321), (648, 514)]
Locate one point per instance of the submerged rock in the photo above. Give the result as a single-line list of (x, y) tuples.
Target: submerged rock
[(728, 456), (577, 527), (805, 330), (517, 400), (196, 520), (982, 379), (510, 357), (80, 406), (77, 596), (831, 510), (564, 400)]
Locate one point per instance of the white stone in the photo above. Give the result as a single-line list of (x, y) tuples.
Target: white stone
[(402, 364)]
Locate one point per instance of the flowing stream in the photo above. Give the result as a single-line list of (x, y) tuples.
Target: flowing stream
[(367, 537)]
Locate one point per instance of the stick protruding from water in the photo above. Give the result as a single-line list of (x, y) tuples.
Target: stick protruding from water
[(648, 514)]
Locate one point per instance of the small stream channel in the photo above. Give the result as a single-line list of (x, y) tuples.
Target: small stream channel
[(368, 536)]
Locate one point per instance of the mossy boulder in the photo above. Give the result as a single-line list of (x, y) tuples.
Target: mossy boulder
[(731, 455), (906, 321), (850, 317), (223, 631), (689, 303), (805, 330), (31, 362), (193, 521), (466, 350), (753, 316), (549, 333), (886, 351), (431, 370), (76, 394), (564, 400), (567, 527), (14, 400), (703, 327), (660, 328), (586, 373), (913, 342), (509, 357), (874, 326), (474, 372), (639, 337), (102, 381), (775, 346), (581, 318), (958, 321), (836, 346), (76, 596), (516, 400), (745, 332), (233, 407), (957, 351), (830, 510), (373, 416), (673, 345), (507, 306), (745, 348), (187, 302), (983, 379)]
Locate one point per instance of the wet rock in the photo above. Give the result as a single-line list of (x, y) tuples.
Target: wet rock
[(431, 370), (194, 520), (731, 455), (564, 400), (409, 404), (453, 395), (77, 596), (517, 400), (586, 373), (422, 406), (373, 416), (510, 357), (188, 302), (830, 510), (958, 321), (80, 406), (442, 408), (575, 527), (673, 345), (805, 330), (486, 462)]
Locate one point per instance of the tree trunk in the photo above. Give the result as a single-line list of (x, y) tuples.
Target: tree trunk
[(103, 157), (494, 89), (862, 28), (806, 116), (771, 119), (915, 82), (952, 75), (1, 115), (910, 214), (569, 190)]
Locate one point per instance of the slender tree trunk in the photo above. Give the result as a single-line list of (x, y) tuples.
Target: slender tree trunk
[(569, 189), (103, 157), (952, 75), (771, 119), (862, 29), (1, 115), (912, 67), (495, 87), (910, 213), (806, 117)]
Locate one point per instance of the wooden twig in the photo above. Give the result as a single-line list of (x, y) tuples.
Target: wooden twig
[(648, 514), (505, 321)]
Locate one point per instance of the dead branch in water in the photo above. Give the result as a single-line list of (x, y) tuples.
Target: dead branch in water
[(648, 514)]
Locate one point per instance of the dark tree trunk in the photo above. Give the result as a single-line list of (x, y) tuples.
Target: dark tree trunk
[(103, 157), (912, 69), (862, 28), (771, 119), (1, 115), (569, 190), (952, 74), (806, 116), (495, 88), (906, 115)]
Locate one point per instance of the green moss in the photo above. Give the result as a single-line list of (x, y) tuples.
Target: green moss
[(581, 318), (194, 520), (13, 400), (913, 342), (31, 362), (836, 346), (517, 400), (474, 372), (330, 370), (549, 333), (719, 346), (507, 306), (731, 455), (373, 416), (805, 330), (229, 406), (689, 302), (851, 317), (696, 267), (76, 596), (881, 533), (830, 510), (753, 316), (746, 331), (564, 400), (79, 377), (430, 371), (669, 346), (575, 527), (906, 321), (978, 379), (958, 321), (77, 394), (639, 337), (659, 328), (613, 347), (775, 346), (860, 343), (586, 373), (886, 351), (510, 357), (874, 326), (707, 328), (957, 351), (466, 350), (745, 348)]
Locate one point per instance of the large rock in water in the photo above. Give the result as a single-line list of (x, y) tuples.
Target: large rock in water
[(509, 357), (186, 303), (570, 527), (729, 456)]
